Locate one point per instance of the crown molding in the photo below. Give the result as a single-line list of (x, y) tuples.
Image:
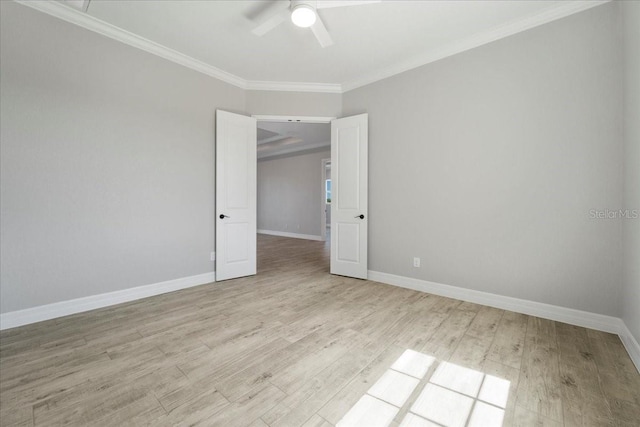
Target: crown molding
[(562, 10), (74, 16), (88, 22), (295, 87)]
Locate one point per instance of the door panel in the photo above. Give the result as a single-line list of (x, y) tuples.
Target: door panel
[(235, 195), (348, 169), (349, 216), (236, 238), (348, 236)]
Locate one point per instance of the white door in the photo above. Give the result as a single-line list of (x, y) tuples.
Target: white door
[(235, 195), (349, 216)]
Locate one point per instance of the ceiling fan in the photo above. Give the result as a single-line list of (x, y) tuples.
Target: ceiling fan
[(304, 13)]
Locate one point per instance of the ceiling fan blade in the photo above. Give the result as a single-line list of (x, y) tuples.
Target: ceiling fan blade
[(326, 4), (321, 33), (268, 25)]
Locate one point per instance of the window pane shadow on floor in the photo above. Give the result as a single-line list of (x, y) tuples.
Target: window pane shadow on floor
[(450, 395)]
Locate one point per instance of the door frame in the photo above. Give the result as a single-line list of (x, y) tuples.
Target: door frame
[(323, 205), (299, 119)]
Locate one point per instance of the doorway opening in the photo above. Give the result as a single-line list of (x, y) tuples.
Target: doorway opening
[(293, 157)]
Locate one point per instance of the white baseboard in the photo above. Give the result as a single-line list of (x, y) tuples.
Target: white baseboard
[(571, 316), (64, 308), (547, 311), (631, 344), (293, 235)]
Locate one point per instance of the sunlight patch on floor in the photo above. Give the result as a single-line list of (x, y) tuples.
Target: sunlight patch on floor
[(454, 396)]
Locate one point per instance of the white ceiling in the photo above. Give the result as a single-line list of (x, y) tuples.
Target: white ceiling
[(370, 41), (282, 138)]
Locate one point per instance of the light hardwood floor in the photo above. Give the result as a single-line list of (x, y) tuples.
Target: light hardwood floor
[(296, 346)]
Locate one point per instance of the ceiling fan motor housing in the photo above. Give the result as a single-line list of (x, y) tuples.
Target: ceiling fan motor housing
[(308, 3), (303, 13)]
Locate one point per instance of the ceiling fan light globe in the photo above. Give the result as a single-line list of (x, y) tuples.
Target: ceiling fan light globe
[(303, 16)]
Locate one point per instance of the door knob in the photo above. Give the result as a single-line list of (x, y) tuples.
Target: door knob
[(359, 216), (223, 216)]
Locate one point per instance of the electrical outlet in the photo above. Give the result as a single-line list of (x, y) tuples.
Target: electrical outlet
[(213, 256), (416, 262)]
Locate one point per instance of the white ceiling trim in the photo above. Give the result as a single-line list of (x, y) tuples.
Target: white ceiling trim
[(74, 16), (295, 87), (502, 31)]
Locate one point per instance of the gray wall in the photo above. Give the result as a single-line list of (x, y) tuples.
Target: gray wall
[(487, 164), (294, 103), (631, 227), (290, 193), (107, 163)]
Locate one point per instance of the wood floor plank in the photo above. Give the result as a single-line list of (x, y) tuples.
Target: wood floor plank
[(449, 334), (246, 410), (186, 407), (307, 400), (317, 421), (417, 329), (526, 418), (512, 375), (302, 371), (539, 388), (123, 402), (508, 343), (471, 352), (214, 365), (610, 353), (17, 416), (485, 323), (155, 381), (347, 396), (625, 412), (287, 364), (259, 423), (590, 410)]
